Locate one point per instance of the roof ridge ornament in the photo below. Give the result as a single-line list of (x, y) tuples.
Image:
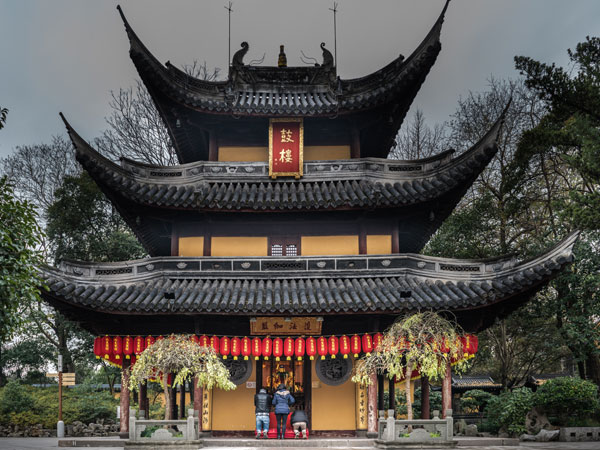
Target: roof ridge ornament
[(238, 57), (327, 58)]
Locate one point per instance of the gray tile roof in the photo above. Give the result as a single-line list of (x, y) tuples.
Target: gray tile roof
[(307, 285), (344, 184)]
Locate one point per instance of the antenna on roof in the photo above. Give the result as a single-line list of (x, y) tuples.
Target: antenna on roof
[(229, 11), (334, 10)]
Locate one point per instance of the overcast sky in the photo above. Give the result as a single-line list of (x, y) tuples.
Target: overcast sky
[(67, 55)]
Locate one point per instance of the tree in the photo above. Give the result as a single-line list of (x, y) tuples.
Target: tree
[(3, 114), (571, 129), (19, 236), (183, 357), (425, 341), (418, 140), (136, 129)]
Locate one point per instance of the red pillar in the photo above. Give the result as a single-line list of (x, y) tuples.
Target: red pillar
[(124, 398), (372, 406), (447, 391), (425, 413)]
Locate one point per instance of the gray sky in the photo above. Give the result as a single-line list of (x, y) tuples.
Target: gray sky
[(67, 55)]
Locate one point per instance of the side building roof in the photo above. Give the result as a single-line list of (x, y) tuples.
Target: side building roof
[(126, 297)]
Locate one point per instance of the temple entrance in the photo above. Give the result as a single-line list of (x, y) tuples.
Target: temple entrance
[(290, 373)]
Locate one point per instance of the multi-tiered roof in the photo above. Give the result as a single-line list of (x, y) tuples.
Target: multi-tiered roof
[(409, 199)]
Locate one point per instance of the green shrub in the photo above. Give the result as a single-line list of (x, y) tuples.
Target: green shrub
[(15, 398), (475, 400), (568, 399), (507, 411)]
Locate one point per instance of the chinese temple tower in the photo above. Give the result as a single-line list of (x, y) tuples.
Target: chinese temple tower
[(285, 238)]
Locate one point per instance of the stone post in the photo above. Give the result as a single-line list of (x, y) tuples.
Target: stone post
[(124, 398), (191, 431), (372, 407), (132, 431), (447, 391)]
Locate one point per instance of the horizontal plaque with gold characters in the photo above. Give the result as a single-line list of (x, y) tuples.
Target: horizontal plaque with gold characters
[(286, 147), (285, 325)]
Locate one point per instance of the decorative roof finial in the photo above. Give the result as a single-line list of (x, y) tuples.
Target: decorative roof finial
[(282, 61), (238, 57), (327, 57)]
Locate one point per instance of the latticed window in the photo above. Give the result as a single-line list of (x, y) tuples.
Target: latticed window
[(284, 246)]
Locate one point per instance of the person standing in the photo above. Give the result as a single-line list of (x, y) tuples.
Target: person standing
[(262, 406), (282, 400), (299, 422)]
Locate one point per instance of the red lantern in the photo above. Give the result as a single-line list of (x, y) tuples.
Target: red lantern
[(195, 339), (470, 344), (474, 344), (377, 340), (98, 347), (267, 347), (138, 345), (160, 338), (246, 347), (277, 348), (170, 380), (149, 341), (117, 347), (311, 347), (204, 341), (107, 347), (256, 348), (288, 348), (214, 343), (367, 344), (334, 346), (322, 346), (127, 346), (345, 346), (235, 347), (225, 347), (355, 345), (299, 347)]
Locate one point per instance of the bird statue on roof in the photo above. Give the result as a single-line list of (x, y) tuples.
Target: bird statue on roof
[(238, 57), (327, 57)]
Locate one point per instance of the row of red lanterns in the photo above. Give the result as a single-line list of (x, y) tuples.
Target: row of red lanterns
[(116, 347)]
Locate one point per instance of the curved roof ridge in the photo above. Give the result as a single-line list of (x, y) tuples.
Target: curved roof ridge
[(432, 38)]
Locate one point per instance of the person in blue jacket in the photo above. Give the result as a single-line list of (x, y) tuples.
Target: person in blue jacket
[(282, 400)]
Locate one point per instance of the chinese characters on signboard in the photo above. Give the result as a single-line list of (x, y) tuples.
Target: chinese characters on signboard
[(285, 325), (286, 147)]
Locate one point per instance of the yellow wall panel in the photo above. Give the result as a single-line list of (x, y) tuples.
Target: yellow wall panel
[(234, 410), (379, 244), (333, 407), (238, 246), (243, 154), (326, 152), (311, 153), (191, 246), (329, 245)]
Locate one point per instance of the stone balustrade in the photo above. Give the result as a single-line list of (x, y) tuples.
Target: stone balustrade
[(187, 430), (424, 433)]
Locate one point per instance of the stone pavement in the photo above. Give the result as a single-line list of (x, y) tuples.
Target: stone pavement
[(48, 443)]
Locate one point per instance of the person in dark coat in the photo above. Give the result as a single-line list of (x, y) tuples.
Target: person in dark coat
[(299, 422), (282, 400), (262, 407)]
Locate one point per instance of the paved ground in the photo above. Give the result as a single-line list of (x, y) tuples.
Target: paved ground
[(44, 443)]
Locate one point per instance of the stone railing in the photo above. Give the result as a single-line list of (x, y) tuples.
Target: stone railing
[(426, 433), (187, 430)]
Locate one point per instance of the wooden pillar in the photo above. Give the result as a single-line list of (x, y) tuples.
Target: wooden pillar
[(355, 144), (197, 398), (124, 398), (380, 392), (182, 401), (173, 401), (392, 393), (372, 407), (143, 398), (447, 391), (307, 374), (425, 413), (213, 151)]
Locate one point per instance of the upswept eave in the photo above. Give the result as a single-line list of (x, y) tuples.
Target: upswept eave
[(390, 284), (326, 185)]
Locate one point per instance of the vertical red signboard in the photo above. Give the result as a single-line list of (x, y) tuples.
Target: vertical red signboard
[(286, 147)]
